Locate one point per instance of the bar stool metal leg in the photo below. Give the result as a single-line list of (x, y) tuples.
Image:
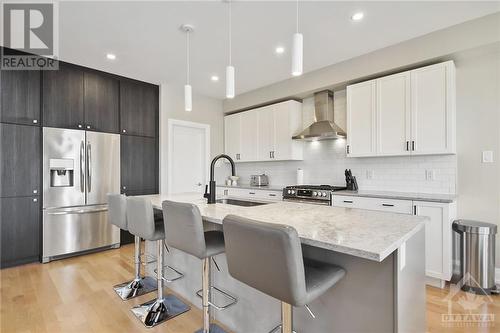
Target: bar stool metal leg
[(162, 308), (205, 297), (286, 318), (139, 285)]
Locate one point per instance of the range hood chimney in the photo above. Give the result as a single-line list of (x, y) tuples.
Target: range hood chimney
[(324, 127)]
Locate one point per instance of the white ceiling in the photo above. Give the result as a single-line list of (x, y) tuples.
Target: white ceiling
[(149, 46)]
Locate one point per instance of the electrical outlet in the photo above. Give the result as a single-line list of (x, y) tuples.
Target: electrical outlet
[(369, 174), (487, 156), (430, 175)]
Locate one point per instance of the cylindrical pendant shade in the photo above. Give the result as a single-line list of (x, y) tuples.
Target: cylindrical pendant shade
[(188, 98), (297, 54), (229, 82)]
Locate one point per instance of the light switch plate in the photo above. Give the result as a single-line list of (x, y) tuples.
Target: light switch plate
[(430, 175), (487, 156), (369, 174)]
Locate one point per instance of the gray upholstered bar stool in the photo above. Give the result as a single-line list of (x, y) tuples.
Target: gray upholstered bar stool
[(141, 222), (184, 229), (268, 257), (140, 285)]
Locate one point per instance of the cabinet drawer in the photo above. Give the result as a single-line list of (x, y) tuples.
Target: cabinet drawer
[(249, 193), (386, 205)]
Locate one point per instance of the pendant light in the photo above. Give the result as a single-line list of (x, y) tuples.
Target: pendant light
[(188, 94), (298, 46), (230, 68)]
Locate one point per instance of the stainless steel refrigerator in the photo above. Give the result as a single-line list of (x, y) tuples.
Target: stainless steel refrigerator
[(79, 169)]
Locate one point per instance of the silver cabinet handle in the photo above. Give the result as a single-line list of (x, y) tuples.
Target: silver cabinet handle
[(82, 171), (272, 195), (35, 200), (81, 211), (35, 191), (88, 126), (387, 205), (89, 167), (35, 121), (199, 184), (124, 131), (348, 201), (251, 192), (80, 126)]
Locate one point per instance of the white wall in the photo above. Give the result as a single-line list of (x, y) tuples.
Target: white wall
[(205, 110)]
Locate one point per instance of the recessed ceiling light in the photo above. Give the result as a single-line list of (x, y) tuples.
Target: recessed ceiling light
[(214, 78), (279, 50), (357, 16), (111, 56)]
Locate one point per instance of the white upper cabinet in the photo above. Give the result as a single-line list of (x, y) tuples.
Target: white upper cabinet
[(265, 134), (232, 127), (393, 115), (433, 109), (410, 113), (249, 145), (361, 119)]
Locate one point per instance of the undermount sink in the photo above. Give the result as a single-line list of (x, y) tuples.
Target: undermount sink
[(243, 203)]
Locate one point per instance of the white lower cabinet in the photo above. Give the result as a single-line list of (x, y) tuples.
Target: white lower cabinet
[(438, 231), (257, 194), (438, 237)]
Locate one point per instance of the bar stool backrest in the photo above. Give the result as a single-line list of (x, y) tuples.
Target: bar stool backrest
[(140, 218), (117, 206), (184, 228), (265, 256)]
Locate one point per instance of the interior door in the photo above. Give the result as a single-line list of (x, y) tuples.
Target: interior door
[(63, 167), (188, 160), (393, 115), (102, 166)]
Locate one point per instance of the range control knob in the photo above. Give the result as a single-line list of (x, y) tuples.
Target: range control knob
[(315, 194), (289, 191), (324, 194), (293, 191)]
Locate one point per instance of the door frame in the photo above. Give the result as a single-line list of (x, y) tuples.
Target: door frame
[(176, 122)]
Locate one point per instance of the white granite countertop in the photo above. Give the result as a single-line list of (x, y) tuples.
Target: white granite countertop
[(443, 198), (250, 187), (362, 233)]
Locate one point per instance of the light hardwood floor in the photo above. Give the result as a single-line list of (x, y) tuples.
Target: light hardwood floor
[(76, 295)]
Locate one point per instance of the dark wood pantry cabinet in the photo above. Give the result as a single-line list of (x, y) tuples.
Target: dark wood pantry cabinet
[(20, 97), (101, 101), (20, 149), (19, 230), (139, 165), (138, 108), (62, 92)]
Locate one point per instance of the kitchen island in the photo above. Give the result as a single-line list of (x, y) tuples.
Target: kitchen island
[(383, 254)]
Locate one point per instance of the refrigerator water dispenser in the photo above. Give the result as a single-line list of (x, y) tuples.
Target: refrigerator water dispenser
[(61, 172)]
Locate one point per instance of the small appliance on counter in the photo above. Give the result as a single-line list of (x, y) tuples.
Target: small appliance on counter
[(234, 180), (259, 180), (351, 182)]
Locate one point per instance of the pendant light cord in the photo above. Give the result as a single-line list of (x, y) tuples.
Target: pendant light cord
[(187, 57), (230, 32), (297, 15)]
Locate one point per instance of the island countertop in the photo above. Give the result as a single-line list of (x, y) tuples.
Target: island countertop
[(362, 233)]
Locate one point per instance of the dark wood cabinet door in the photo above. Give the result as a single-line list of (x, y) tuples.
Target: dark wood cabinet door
[(20, 149), (19, 230), (138, 108), (139, 165), (20, 97), (101, 100), (63, 97)]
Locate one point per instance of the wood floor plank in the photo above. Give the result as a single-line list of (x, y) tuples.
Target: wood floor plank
[(76, 296)]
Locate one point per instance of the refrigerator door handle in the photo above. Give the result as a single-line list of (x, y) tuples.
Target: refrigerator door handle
[(82, 167), (79, 211), (89, 167)]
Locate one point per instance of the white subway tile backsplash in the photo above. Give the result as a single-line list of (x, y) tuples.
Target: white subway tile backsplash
[(325, 161)]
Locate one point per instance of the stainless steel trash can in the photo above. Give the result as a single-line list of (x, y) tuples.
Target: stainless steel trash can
[(477, 255)]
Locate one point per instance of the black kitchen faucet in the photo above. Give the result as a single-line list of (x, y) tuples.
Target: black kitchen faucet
[(211, 195)]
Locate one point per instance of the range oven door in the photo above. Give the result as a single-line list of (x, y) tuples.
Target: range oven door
[(71, 230)]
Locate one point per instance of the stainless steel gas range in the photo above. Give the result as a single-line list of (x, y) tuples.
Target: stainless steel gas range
[(316, 194)]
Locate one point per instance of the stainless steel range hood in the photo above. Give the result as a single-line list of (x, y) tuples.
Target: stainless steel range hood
[(324, 127)]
